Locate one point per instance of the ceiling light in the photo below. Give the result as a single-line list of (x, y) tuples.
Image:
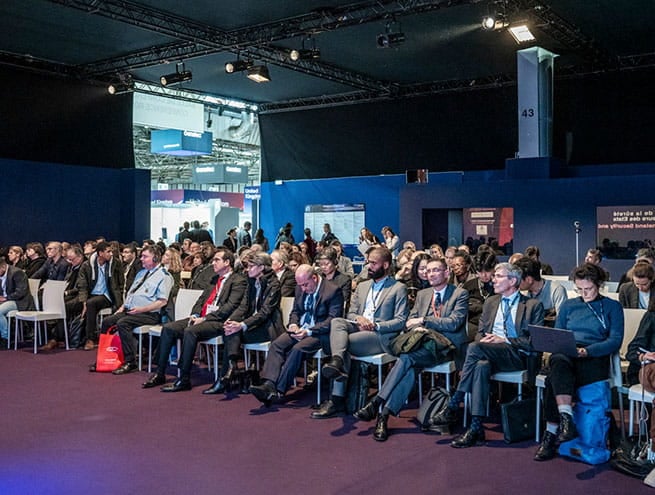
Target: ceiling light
[(120, 88), (494, 22), (179, 76), (521, 33), (311, 54), (237, 66), (392, 35), (259, 74)]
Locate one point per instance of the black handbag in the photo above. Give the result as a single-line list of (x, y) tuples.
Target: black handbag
[(518, 418)]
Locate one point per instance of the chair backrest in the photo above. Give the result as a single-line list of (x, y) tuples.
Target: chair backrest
[(631, 320), (556, 277), (186, 298), (34, 284), (53, 297), (286, 305), (609, 287), (616, 379)]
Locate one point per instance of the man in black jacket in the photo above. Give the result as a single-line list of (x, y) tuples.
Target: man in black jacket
[(14, 295)]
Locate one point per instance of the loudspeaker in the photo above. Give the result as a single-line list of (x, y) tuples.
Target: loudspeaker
[(419, 176)]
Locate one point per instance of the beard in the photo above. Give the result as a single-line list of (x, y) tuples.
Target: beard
[(375, 274)]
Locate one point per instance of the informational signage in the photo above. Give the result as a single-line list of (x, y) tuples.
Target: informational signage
[(180, 143), (219, 173), (346, 220), (489, 225), (623, 230), (252, 192)]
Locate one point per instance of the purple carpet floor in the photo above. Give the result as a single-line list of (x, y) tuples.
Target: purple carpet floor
[(68, 431)]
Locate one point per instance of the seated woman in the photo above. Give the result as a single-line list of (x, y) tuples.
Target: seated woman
[(644, 339), (597, 323)]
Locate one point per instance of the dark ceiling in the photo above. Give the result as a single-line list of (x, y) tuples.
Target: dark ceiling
[(445, 48)]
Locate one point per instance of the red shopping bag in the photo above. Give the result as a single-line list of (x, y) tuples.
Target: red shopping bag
[(110, 351)]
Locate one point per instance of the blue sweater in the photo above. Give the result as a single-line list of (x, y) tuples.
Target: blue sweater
[(585, 322)]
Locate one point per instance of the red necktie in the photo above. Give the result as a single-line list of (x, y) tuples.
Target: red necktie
[(212, 297)]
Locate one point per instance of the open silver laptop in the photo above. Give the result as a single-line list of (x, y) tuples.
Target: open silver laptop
[(553, 340)]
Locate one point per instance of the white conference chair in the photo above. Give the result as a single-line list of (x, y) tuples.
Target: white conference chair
[(54, 308), (447, 369), (377, 359)]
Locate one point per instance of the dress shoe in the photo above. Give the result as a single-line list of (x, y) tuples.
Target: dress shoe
[(367, 413), (334, 370), (154, 381), (178, 385), (217, 388), (381, 432), (89, 345), (567, 429), (446, 416), (230, 373), (264, 393), (470, 438), (92, 368), (3, 343), (50, 346), (329, 409), (126, 368), (548, 447)]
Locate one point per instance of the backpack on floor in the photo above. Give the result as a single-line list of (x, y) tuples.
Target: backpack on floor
[(358, 385), (433, 402)]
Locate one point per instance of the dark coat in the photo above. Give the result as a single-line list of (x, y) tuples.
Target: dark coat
[(18, 289), (89, 276)]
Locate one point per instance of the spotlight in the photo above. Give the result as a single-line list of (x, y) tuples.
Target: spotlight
[(179, 76), (237, 66), (311, 54), (259, 74), (488, 22), (494, 22), (387, 40), (521, 33), (120, 88)]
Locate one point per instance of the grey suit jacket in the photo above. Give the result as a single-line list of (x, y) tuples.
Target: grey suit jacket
[(452, 322), (629, 295), (528, 312), (391, 308)]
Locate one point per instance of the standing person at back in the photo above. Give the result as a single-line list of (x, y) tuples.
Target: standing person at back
[(199, 234), (328, 236), (244, 235)]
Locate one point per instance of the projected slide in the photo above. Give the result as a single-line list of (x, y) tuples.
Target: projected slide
[(622, 230), (346, 220)]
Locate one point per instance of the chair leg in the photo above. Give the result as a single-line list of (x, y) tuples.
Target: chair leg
[(149, 353), (66, 334), (140, 351), (318, 381)]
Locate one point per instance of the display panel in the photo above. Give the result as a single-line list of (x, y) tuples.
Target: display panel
[(346, 220), (493, 226), (622, 230)]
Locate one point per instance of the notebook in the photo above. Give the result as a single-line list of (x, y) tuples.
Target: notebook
[(553, 340)]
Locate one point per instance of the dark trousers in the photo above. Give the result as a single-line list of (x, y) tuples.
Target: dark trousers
[(190, 336), (93, 305), (73, 308), (286, 355), (567, 374), (482, 361), (126, 323)]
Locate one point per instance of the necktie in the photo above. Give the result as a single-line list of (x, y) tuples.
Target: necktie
[(508, 323), (309, 309), (213, 297), (258, 293), (436, 304)]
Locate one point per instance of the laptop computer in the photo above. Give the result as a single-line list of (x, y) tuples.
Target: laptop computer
[(553, 340)]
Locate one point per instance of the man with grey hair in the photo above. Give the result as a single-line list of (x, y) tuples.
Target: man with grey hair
[(502, 344)]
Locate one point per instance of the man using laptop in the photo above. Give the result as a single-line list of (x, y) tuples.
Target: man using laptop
[(502, 344)]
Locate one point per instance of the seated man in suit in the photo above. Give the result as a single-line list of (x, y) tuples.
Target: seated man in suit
[(639, 292), (227, 292), (502, 344), (441, 308), (258, 321), (316, 303), (378, 311), (14, 295), (143, 303)]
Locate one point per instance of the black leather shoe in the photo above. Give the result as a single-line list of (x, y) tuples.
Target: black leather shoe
[(334, 370), (328, 410), (92, 368), (367, 413), (567, 429), (264, 393), (446, 416), (381, 433), (548, 448), (125, 368), (154, 381), (470, 438), (178, 385), (217, 388), (231, 371)]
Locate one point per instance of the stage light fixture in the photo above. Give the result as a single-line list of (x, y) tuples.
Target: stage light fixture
[(521, 33), (120, 88), (311, 54), (237, 66), (494, 22), (179, 76), (392, 35), (259, 74)]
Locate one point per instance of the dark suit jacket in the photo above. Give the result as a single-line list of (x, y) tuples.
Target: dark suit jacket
[(452, 322), (328, 305), (17, 289), (528, 312), (346, 285), (629, 295), (233, 294), (230, 244), (391, 309), (262, 316), (52, 270), (288, 283)]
